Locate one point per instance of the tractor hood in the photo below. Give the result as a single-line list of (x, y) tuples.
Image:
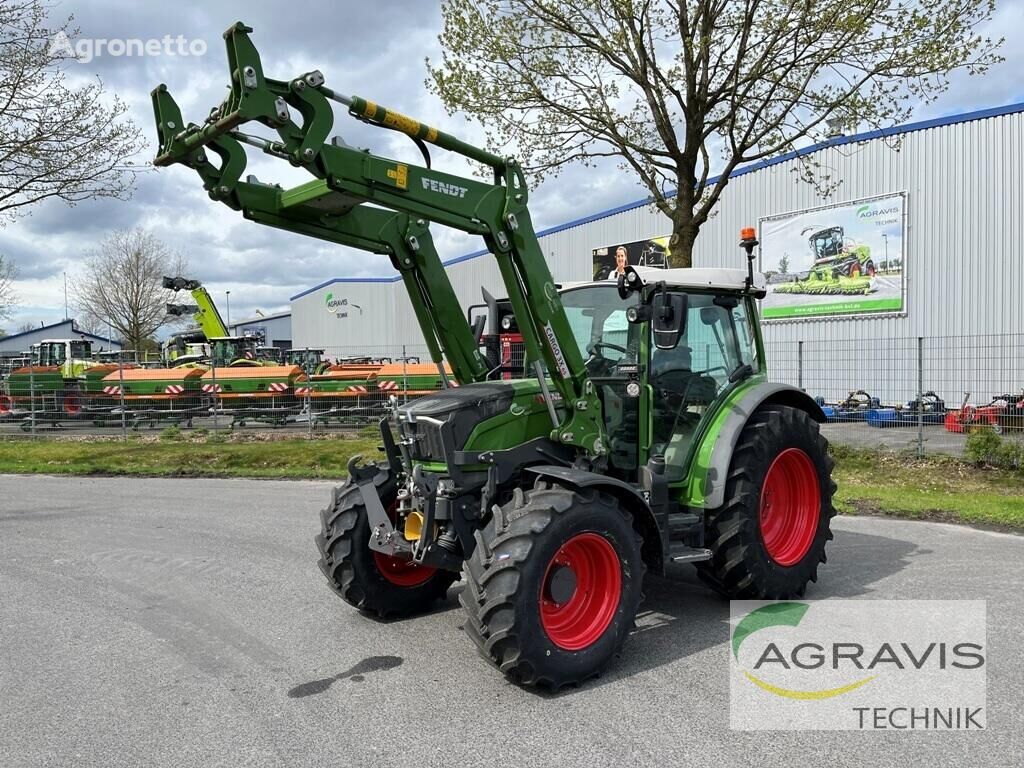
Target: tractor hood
[(484, 416)]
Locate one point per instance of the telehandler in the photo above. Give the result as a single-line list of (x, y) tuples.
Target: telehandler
[(649, 433)]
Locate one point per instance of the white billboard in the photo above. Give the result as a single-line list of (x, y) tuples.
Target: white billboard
[(844, 259)]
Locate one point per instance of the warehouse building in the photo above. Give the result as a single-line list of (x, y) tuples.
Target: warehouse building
[(925, 216), (272, 330)]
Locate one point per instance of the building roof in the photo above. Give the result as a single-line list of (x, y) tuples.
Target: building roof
[(74, 332), (257, 320), (838, 141)]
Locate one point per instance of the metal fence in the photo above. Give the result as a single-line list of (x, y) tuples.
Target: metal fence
[(921, 394), (924, 395)]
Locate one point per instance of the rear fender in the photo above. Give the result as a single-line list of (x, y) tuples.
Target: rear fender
[(712, 460)]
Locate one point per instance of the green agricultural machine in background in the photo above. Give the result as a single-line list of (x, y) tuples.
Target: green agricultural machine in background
[(841, 266), (625, 451), (61, 379)]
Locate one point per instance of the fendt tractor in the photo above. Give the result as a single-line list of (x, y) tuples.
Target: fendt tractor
[(648, 433)]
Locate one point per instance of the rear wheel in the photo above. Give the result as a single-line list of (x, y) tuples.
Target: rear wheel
[(553, 585), (769, 537), (364, 578), (6, 405)]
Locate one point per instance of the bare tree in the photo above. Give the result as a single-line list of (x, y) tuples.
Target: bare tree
[(26, 327), (121, 285), (56, 140), (681, 90), (8, 298)]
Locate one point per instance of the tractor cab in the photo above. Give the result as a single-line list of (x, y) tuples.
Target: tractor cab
[(270, 355), (309, 360), (827, 244), (57, 352), (664, 378), (235, 351)]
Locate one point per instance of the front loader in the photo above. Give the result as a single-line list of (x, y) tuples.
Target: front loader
[(648, 433)]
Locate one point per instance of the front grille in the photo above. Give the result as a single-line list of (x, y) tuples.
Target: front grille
[(426, 440)]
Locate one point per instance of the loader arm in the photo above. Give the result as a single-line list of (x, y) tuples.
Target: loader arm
[(354, 190)]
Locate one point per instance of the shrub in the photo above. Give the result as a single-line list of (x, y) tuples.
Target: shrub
[(988, 448), (171, 433)]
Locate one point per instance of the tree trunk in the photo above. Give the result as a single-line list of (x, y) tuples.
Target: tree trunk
[(680, 245)]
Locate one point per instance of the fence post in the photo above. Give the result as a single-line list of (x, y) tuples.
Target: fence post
[(120, 389), (32, 395), (405, 376), (800, 365), (307, 398), (920, 394), (213, 384)]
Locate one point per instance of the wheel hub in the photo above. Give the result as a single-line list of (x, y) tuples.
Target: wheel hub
[(561, 584)]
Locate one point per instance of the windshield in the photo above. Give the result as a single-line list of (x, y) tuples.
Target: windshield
[(52, 354), (597, 317)]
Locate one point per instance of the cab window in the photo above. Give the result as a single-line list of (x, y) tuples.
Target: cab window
[(688, 379)]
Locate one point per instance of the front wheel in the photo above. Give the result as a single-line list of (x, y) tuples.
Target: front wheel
[(553, 585), (364, 578), (769, 537)]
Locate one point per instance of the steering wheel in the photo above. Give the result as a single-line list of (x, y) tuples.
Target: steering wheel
[(721, 368), (598, 363), (596, 345)]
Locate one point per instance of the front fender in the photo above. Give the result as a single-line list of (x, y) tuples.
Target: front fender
[(713, 457), (631, 498)]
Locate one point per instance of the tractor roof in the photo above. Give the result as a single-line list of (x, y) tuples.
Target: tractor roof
[(702, 277)]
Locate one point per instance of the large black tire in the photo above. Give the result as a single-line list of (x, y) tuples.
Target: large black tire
[(780, 472), (361, 576), (535, 632)]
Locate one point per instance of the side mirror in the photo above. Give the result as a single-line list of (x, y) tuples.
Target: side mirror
[(668, 320)]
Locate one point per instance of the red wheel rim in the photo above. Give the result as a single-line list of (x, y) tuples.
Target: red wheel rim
[(401, 573), (790, 507), (72, 404), (590, 564), (5, 404), (855, 270)]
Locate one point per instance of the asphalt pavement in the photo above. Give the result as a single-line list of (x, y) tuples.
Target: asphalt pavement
[(185, 623)]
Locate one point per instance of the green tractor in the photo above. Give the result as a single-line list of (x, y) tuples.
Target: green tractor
[(311, 361), (648, 433)]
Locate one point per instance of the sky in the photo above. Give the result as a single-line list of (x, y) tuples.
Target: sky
[(376, 50)]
